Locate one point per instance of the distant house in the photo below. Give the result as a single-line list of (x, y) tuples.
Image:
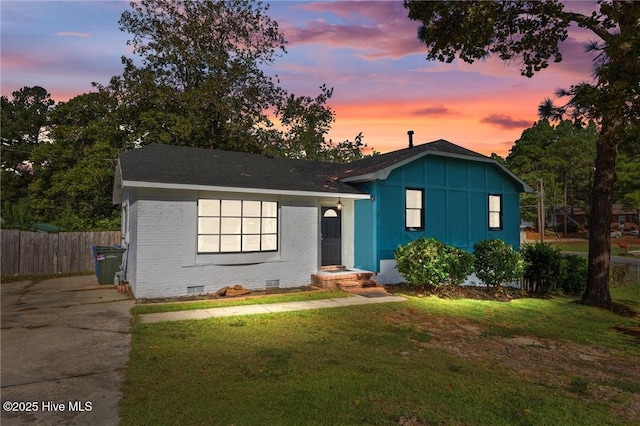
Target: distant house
[(621, 217), (197, 220)]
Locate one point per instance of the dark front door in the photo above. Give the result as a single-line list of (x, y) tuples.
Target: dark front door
[(331, 230)]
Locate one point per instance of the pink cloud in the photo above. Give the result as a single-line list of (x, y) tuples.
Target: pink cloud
[(16, 61), (505, 122), (375, 29), (73, 34), (434, 111)]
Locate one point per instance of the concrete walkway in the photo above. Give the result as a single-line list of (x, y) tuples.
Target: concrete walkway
[(267, 308)]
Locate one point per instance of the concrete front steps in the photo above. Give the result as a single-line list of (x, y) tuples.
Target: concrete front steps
[(339, 277)]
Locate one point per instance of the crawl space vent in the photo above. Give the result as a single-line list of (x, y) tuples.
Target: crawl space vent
[(273, 283), (195, 289)]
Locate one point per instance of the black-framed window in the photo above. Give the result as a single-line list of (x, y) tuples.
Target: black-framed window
[(495, 211), (237, 226), (414, 209)]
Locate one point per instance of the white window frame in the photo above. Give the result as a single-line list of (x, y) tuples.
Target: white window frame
[(495, 212), (411, 209), (227, 226)]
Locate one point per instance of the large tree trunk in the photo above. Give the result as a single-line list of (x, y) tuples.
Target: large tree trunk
[(597, 291)]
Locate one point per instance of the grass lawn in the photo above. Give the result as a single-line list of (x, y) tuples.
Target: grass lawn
[(582, 246), (575, 246), (421, 362)]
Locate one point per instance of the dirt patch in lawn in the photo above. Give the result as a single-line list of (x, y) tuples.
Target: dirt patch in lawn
[(588, 372)]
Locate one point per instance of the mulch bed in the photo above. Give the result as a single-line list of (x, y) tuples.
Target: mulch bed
[(499, 294)]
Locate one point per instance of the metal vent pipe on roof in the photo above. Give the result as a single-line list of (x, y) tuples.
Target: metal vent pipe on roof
[(410, 133)]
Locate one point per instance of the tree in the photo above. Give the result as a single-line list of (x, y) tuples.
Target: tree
[(562, 156), (305, 122), (24, 121), (200, 81), (73, 181), (532, 31)]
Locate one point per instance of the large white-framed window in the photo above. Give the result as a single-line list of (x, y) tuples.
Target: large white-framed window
[(414, 209), (237, 226), (495, 211)]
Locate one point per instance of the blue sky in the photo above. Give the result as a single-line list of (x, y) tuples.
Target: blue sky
[(366, 51)]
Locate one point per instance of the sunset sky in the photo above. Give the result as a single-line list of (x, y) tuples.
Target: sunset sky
[(367, 51)]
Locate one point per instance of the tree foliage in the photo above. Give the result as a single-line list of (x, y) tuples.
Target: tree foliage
[(199, 81), (73, 178), (531, 32), (24, 123), (562, 156), (196, 79)]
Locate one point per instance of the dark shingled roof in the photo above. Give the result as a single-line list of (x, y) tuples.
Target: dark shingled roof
[(209, 167), (379, 162)]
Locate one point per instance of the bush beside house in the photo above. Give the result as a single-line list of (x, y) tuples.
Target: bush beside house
[(497, 263), (429, 262)]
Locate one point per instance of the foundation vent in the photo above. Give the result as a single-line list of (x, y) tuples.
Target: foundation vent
[(273, 283), (195, 289)]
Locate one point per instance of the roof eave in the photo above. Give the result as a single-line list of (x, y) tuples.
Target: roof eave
[(243, 190)]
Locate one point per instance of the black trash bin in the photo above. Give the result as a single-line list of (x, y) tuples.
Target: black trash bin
[(108, 261)]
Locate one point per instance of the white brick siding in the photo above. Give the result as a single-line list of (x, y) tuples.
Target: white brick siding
[(165, 262)]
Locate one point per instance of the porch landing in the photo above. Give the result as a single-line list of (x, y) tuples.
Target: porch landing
[(338, 276)]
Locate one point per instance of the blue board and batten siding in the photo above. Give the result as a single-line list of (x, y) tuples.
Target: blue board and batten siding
[(456, 207)]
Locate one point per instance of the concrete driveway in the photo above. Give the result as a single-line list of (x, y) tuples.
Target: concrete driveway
[(65, 345)]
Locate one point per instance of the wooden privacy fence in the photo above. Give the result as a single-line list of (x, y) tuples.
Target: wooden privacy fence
[(35, 253)]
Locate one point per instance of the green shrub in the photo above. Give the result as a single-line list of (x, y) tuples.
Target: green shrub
[(428, 261), (17, 215), (496, 262), (545, 268), (574, 277)]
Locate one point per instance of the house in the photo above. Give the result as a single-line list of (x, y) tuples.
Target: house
[(622, 218), (197, 220)]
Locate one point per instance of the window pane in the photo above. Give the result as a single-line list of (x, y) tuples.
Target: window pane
[(208, 243), (494, 220), (230, 225), (269, 242), (208, 225), (269, 209), (229, 243), (209, 208), (414, 219), (251, 225), (269, 226), (494, 203), (251, 243), (330, 213), (251, 209), (231, 207), (414, 199)]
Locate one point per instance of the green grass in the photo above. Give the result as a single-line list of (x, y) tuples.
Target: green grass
[(250, 300), (627, 294), (572, 246), (370, 364), (583, 247)]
